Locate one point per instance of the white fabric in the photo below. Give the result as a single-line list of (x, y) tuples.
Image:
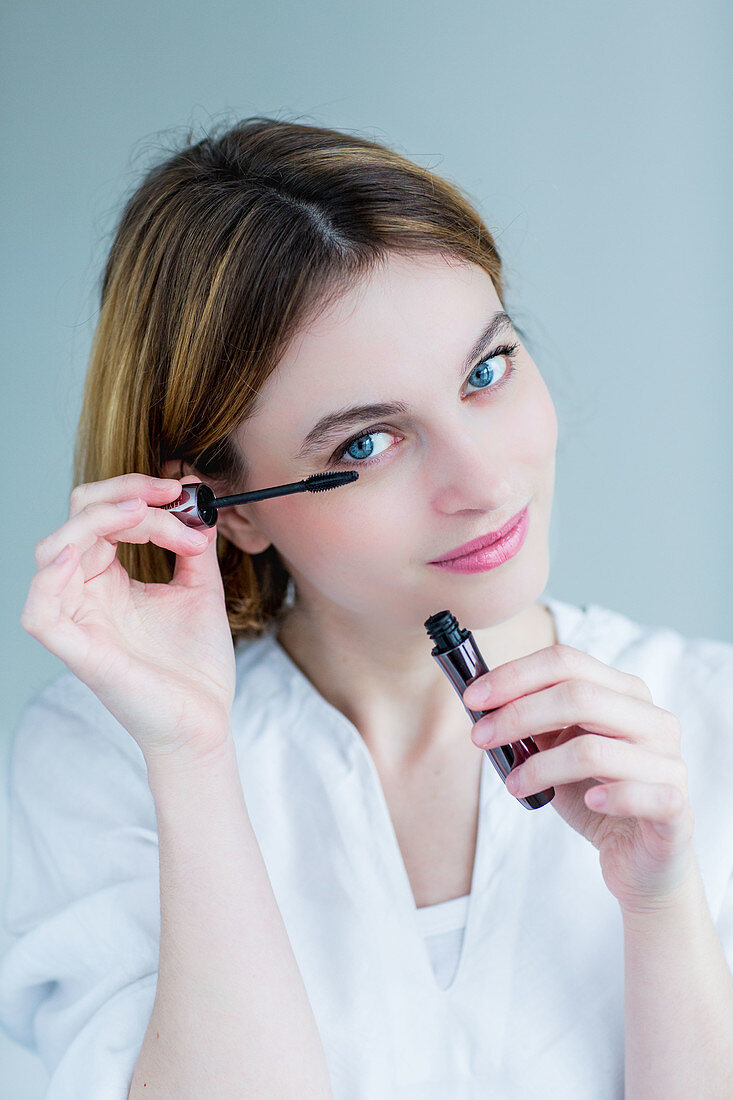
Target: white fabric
[(442, 927), (535, 1007)]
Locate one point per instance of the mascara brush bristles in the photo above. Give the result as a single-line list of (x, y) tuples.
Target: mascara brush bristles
[(316, 483)]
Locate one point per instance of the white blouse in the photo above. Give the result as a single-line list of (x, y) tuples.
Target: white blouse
[(526, 1000), (442, 927)]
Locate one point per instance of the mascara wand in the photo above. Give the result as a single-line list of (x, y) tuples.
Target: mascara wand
[(197, 506)]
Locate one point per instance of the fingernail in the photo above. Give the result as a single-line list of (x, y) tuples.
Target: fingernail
[(476, 695), (513, 783), (129, 505), (63, 556), (480, 735)]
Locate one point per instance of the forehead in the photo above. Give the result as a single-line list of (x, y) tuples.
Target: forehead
[(406, 304), (409, 309)]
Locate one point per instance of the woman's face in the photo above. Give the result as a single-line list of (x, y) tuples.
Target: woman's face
[(470, 450)]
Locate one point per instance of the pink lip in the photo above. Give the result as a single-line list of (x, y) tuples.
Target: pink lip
[(488, 554), (481, 543)]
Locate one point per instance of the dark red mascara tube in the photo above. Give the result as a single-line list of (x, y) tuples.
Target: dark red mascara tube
[(458, 655)]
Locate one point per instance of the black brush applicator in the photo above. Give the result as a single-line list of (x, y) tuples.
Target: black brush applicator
[(197, 506)]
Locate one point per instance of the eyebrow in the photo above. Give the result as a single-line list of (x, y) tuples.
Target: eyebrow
[(336, 422)]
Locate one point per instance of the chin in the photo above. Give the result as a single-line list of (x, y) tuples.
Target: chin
[(483, 600)]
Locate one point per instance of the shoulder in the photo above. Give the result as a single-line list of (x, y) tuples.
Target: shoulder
[(691, 676), (271, 693), (80, 810), (65, 734), (676, 667)]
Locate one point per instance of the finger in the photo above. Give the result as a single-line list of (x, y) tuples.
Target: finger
[(664, 804), (109, 521), (154, 490), (543, 668), (43, 617), (593, 757), (200, 568), (596, 708)]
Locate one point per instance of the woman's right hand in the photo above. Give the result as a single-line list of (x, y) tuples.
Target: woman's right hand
[(159, 656)]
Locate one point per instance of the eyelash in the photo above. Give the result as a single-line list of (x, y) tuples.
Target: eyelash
[(507, 350)]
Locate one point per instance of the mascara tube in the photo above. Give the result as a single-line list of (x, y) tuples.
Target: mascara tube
[(194, 506), (458, 655), (198, 505)]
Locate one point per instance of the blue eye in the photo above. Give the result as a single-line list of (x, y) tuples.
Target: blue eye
[(487, 374)]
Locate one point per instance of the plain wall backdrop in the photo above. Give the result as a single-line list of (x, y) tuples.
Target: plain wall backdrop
[(595, 140)]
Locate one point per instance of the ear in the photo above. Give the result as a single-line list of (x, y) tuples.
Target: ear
[(235, 523)]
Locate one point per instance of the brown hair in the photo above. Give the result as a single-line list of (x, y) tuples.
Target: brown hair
[(221, 254)]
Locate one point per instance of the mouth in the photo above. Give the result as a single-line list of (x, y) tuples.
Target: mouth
[(482, 542)]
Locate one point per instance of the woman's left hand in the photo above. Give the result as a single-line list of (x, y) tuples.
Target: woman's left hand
[(595, 724)]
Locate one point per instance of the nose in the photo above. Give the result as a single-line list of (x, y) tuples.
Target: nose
[(466, 475)]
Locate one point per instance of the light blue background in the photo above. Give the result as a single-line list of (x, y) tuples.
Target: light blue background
[(593, 136)]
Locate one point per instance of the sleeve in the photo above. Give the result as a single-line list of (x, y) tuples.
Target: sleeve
[(724, 923), (78, 984), (705, 704)]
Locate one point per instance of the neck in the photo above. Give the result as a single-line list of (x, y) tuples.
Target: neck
[(401, 703)]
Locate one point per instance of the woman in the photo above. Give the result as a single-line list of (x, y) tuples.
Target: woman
[(253, 734)]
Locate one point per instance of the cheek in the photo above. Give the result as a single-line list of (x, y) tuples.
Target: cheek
[(536, 425), (326, 537)]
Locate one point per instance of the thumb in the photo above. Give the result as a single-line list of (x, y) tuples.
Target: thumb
[(200, 568)]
